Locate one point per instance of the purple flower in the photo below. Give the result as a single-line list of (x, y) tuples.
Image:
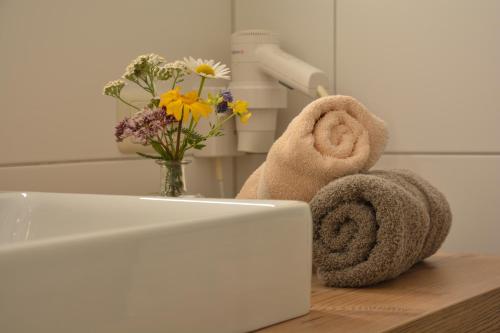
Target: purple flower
[(222, 107), (227, 96), (120, 130), (143, 126)]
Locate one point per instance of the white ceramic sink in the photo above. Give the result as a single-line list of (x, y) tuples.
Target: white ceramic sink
[(97, 263)]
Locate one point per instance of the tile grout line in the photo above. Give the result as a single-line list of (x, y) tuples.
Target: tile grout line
[(232, 5), (57, 162), (125, 159), (334, 78), (441, 153)]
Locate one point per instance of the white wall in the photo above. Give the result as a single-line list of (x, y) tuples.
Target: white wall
[(306, 31), (430, 68), (56, 132), (471, 185)]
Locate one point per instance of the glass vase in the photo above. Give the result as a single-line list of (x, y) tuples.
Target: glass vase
[(172, 180)]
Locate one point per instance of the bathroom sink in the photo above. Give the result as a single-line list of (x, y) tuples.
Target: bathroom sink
[(102, 263)]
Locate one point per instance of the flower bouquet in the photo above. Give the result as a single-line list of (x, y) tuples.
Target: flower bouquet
[(168, 123)]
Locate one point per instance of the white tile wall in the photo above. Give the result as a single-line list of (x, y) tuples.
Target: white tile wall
[(55, 57), (471, 184), (431, 69), (129, 177)]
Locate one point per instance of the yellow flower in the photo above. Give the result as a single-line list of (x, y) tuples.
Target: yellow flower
[(240, 108), (169, 96), (213, 99), (244, 118), (180, 105)]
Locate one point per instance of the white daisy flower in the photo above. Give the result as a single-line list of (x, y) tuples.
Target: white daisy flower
[(207, 68)]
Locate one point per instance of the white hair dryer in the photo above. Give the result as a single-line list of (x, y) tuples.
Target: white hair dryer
[(260, 69)]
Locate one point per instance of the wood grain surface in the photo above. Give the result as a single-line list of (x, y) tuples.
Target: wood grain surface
[(445, 293)]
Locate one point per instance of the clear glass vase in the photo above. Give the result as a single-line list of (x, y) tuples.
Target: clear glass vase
[(172, 180)]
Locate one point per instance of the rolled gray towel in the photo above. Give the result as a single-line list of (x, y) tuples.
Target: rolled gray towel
[(373, 227)]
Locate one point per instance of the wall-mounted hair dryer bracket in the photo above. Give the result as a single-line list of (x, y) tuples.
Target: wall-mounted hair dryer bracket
[(260, 70)]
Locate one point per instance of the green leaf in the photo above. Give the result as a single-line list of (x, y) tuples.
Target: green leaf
[(171, 131), (159, 149), (149, 156), (192, 136), (154, 102)]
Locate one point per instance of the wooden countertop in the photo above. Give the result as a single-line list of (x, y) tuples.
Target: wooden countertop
[(445, 293)]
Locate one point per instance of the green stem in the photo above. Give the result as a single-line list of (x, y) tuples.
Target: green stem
[(139, 84), (202, 82), (191, 145), (219, 125), (184, 142), (175, 80), (124, 101), (152, 85), (147, 87), (164, 145), (212, 131), (179, 130), (169, 138)]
